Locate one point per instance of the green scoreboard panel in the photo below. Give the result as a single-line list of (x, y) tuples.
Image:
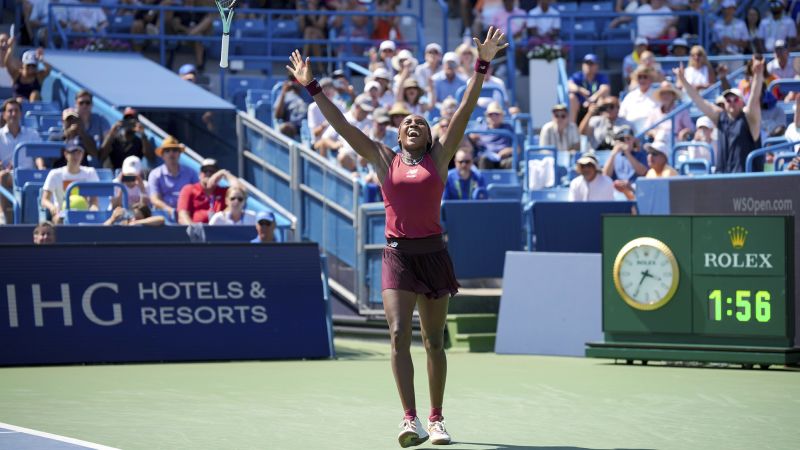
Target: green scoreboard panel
[(698, 288)]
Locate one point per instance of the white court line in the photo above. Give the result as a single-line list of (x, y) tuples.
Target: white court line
[(56, 437)]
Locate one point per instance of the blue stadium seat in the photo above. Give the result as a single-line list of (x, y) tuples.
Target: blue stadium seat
[(236, 87), (492, 92), (41, 107), (500, 176), (120, 24), (617, 51), (504, 191), (781, 159), (284, 29), (92, 189), (694, 167)]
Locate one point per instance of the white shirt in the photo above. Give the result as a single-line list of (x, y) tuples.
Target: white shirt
[(792, 135), (735, 30), (135, 193), (364, 125), (774, 68), (544, 24), (8, 142), (90, 18), (651, 27), (636, 107), (771, 30), (315, 117), (697, 77), (224, 218), (601, 189), (58, 179)]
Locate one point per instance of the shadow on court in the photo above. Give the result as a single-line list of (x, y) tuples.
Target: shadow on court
[(491, 446)]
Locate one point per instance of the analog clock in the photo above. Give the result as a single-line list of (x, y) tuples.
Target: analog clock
[(646, 273)]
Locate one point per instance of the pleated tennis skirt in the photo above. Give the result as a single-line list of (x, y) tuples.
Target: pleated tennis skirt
[(419, 265)]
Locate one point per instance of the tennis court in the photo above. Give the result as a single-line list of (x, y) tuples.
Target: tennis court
[(493, 402)]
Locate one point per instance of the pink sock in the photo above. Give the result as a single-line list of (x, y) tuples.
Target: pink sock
[(411, 413), (436, 415)]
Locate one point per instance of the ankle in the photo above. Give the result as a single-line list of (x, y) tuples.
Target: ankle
[(410, 414), (436, 415)]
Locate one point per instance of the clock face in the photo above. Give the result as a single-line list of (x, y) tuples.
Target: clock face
[(646, 273)]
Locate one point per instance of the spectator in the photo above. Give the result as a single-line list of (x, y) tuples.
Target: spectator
[(433, 64), (438, 130), (699, 72), (402, 60), (599, 123), (95, 125), (73, 129), (638, 104), (166, 181), (585, 87), (773, 119), (465, 180), (384, 79), (344, 90), (780, 67), (140, 215), (383, 58), (316, 121), (648, 60), (626, 161), (351, 27), (489, 80), (145, 21), (657, 160), (290, 108), (188, 72), (397, 113), (386, 27), (623, 6), (135, 184), (5, 78), (44, 233), (26, 76), (87, 20), (667, 95), (14, 133), (689, 25), (560, 132), (381, 130), (495, 151), (544, 27), (632, 61), (189, 23), (265, 227), (753, 24), (679, 47), (235, 213), (738, 124), (485, 11), (198, 201), (653, 23), (358, 115), (792, 133), (467, 54), (373, 90), (410, 95), (776, 27), (447, 82), (745, 84), (57, 181), (314, 27), (591, 185), (125, 139), (449, 106), (730, 34), (36, 14), (500, 20), (705, 133)]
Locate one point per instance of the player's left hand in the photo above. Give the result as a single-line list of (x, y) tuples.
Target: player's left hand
[(494, 42)]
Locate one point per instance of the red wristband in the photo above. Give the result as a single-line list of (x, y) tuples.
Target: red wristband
[(481, 66), (313, 88)]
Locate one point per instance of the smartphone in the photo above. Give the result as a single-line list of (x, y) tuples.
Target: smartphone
[(128, 178)]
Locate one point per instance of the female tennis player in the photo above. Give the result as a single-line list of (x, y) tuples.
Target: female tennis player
[(417, 270)]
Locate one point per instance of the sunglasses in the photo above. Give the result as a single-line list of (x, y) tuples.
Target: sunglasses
[(643, 77), (560, 116), (209, 171), (464, 161), (731, 99), (238, 199), (85, 102), (170, 150), (493, 114)]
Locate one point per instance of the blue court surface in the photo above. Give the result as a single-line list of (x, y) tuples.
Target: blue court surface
[(18, 438)]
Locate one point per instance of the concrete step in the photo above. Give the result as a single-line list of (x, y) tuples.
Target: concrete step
[(458, 324), (475, 301), (474, 342)]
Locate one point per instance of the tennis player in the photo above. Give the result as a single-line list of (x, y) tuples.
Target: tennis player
[(417, 270)]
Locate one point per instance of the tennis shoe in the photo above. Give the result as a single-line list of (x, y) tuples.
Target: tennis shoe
[(412, 433), (438, 432)]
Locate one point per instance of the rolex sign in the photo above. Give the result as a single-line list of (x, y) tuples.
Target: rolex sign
[(738, 246)]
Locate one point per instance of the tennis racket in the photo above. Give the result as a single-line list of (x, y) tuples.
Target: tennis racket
[(226, 14)]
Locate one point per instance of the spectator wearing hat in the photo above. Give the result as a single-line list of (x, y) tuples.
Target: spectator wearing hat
[(667, 95), (397, 113), (774, 27), (374, 91), (188, 72), (403, 61), (654, 23), (132, 178), (433, 64), (739, 124), (384, 79), (730, 35), (411, 94), (357, 115), (316, 121), (345, 93), (638, 104), (705, 133), (679, 47), (599, 123), (382, 59), (26, 76), (95, 125), (447, 82), (235, 212), (467, 54), (125, 139), (197, 202), (139, 214), (632, 60), (560, 132), (44, 233), (544, 27), (494, 151), (658, 161), (781, 67), (265, 228), (586, 86), (647, 60), (57, 181), (464, 181), (626, 161), (166, 181), (382, 129), (290, 108), (71, 128), (591, 185)]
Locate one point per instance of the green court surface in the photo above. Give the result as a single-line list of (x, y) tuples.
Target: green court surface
[(492, 402)]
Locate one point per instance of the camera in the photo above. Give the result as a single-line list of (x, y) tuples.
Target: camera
[(128, 178)]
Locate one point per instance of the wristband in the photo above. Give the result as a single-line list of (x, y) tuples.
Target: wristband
[(481, 66), (313, 88)]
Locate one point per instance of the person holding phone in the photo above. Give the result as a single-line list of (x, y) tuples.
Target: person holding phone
[(135, 184), (126, 138)]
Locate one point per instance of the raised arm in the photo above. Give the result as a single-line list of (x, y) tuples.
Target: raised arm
[(359, 141), (753, 108), (709, 109), (493, 43)]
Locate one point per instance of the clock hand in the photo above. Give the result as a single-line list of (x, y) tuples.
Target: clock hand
[(644, 275)]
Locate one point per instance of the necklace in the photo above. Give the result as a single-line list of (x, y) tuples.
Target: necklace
[(412, 162)]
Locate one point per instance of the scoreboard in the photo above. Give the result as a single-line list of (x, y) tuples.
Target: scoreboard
[(698, 288)]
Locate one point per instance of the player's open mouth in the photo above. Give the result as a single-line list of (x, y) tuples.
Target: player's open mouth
[(412, 133)]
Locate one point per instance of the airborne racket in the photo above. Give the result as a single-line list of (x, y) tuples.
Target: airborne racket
[(226, 14)]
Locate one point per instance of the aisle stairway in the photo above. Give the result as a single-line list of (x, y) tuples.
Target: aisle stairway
[(472, 320)]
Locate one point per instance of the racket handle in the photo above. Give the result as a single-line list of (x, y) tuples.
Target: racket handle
[(223, 56)]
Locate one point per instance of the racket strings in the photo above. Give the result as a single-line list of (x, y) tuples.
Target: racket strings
[(227, 4)]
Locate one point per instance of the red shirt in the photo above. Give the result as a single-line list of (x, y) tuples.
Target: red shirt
[(412, 196), (194, 200)]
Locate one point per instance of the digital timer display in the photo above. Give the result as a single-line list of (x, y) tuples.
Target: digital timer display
[(749, 305), (739, 305)]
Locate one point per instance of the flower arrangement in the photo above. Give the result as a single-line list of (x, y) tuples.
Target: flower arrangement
[(548, 49)]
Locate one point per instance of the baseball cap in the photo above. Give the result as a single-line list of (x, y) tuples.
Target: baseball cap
[(641, 40), (372, 84), (265, 216), (559, 107), (780, 43), (589, 159), (390, 45), (450, 57), (679, 42), (381, 115), (590, 58), (338, 73), (622, 131), (208, 162), (73, 145), (656, 147), (728, 4), (382, 73), (29, 57), (364, 102), (494, 107), (187, 69), (130, 112), (735, 91), (704, 121), (69, 112), (132, 165), (433, 46)]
